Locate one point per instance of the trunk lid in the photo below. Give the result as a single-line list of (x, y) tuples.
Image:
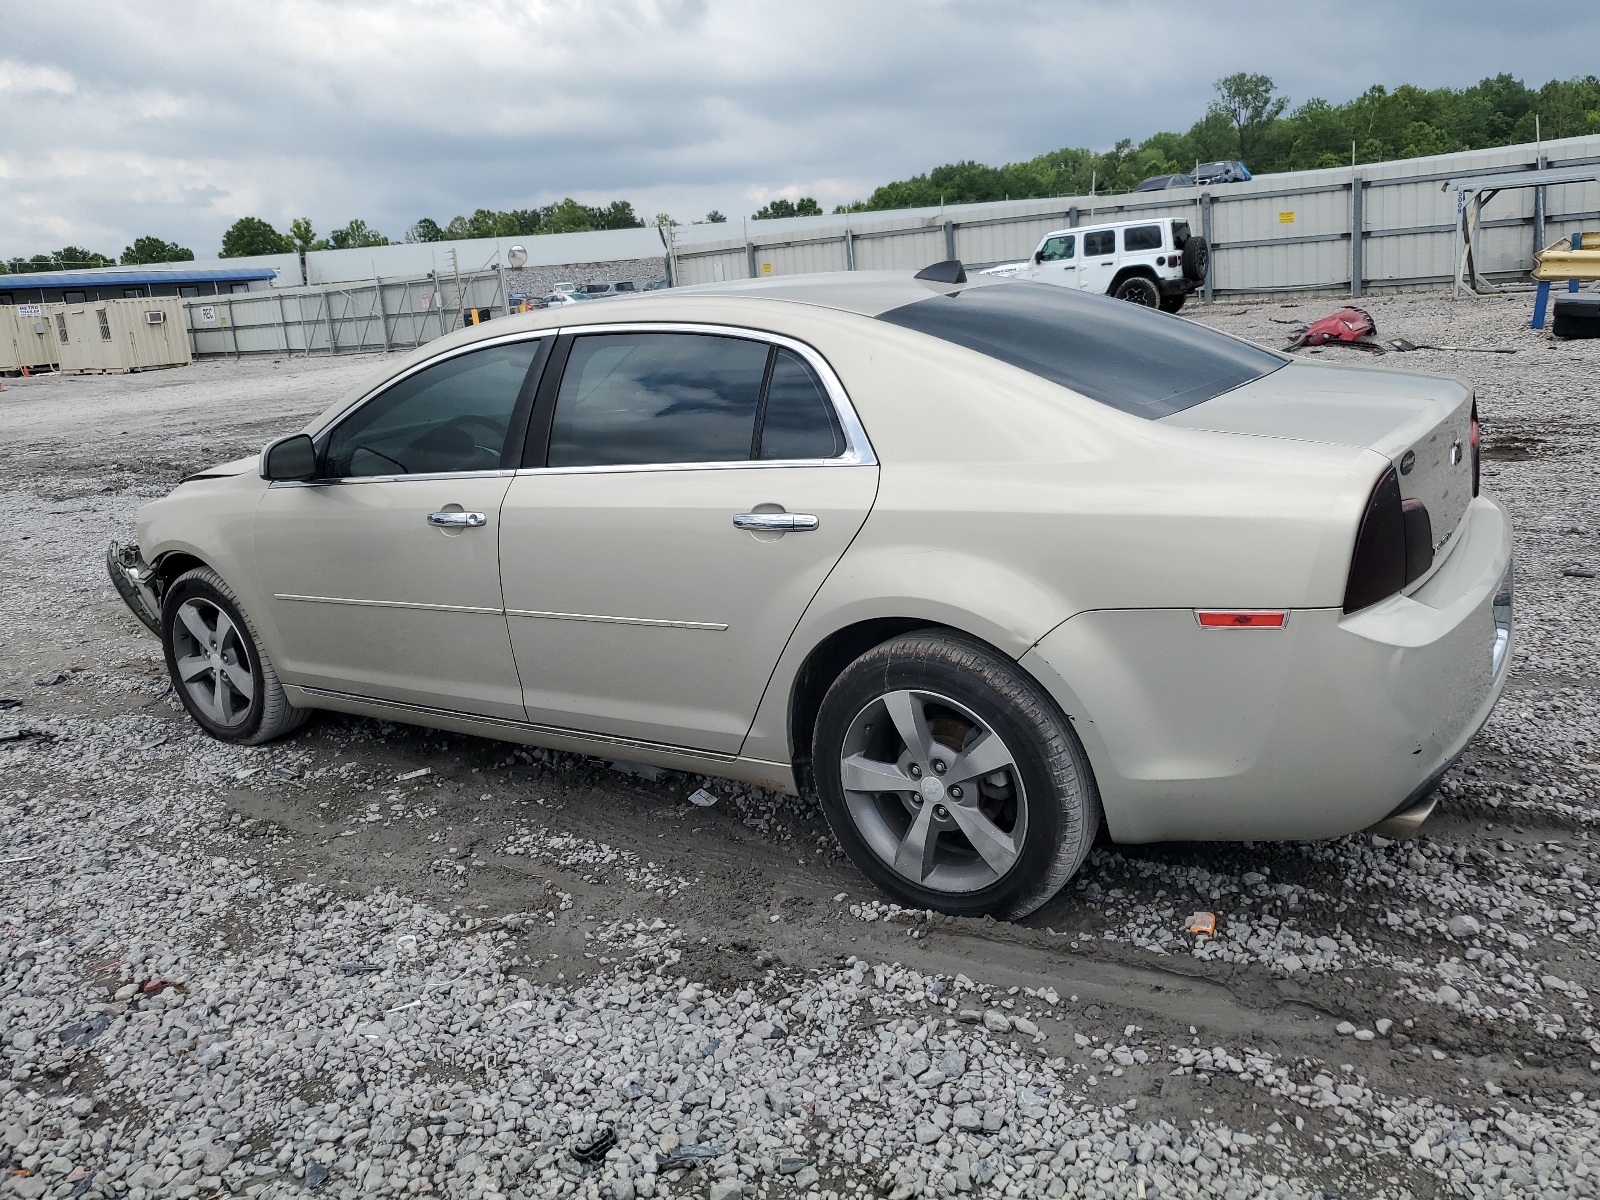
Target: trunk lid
[(1420, 423)]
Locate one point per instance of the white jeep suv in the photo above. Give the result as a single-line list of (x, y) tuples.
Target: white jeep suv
[(1154, 263)]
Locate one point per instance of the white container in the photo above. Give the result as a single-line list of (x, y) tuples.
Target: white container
[(120, 335)]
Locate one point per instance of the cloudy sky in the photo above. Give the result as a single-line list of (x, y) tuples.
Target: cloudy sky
[(176, 119)]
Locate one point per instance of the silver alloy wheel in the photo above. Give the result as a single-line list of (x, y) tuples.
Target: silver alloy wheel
[(213, 661), (934, 791)]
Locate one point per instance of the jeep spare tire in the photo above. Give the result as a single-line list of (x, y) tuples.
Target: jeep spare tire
[(1196, 259)]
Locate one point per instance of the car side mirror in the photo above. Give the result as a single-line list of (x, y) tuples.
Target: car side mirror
[(1038, 256), (293, 457)]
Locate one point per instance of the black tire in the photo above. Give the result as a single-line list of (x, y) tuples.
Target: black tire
[(1173, 302), (266, 713), (1054, 785), (1139, 289), (1196, 259)]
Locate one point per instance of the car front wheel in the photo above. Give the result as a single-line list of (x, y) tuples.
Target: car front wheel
[(952, 779), (1139, 289), (218, 669)]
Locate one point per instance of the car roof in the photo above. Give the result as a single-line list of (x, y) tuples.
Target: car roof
[(866, 293)]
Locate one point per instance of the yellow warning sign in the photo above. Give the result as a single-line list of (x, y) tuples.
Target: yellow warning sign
[(1286, 218), (766, 268)]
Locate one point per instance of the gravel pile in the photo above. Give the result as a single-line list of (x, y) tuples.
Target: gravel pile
[(376, 960)]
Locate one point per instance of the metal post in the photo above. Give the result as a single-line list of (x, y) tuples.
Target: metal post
[(233, 328), (383, 314), (849, 249), (949, 239), (750, 258), (283, 325), (327, 315), (1072, 217), (1358, 233), (1538, 210), (1211, 258)]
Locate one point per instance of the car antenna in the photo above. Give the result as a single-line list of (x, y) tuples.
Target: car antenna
[(948, 271)]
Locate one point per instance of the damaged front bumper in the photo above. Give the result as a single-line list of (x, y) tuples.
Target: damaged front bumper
[(134, 580)]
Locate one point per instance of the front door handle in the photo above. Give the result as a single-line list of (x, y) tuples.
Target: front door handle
[(778, 522), (457, 520)]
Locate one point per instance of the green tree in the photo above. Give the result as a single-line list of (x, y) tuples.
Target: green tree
[(425, 230), (618, 214), (715, 218), (665, 219), (567, 216), (803, 207), (252, 235), (153, 250), (357, 235), (1250, 104), (304, 237)]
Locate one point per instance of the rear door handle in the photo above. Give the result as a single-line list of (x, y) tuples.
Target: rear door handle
[(457, 520), (779, 522)]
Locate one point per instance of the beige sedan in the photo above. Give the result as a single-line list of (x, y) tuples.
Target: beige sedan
[(988, 566)]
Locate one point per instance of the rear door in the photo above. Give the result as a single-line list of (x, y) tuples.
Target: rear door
[(1099, 261), (693, 487)]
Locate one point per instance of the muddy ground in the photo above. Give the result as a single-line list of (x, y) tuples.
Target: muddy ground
[(1463, 962)]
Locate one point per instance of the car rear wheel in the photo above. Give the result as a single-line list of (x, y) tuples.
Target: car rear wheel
[(1196, 259), (1139, 289), (1174, 302), (952, 779), (218, 669)]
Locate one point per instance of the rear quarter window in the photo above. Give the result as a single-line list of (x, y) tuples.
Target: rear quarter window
[(1141, 237), (1130, 357)]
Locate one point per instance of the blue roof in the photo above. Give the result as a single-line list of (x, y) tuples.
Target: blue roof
[(119, 276)]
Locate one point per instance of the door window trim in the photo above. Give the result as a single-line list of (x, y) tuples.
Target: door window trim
[(857, 453)]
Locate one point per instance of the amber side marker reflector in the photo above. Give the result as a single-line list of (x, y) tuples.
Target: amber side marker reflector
[(1249, 619)]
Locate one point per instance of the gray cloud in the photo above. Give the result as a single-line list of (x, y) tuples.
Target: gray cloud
[(177, 119)]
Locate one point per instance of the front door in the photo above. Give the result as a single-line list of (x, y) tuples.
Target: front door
[(696, 491), (384, 577), (1099, 261), (1058, 260)]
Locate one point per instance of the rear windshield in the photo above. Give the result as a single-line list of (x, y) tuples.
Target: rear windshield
[(1130, 357)]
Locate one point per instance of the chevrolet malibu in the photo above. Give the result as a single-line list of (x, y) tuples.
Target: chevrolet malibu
[(988, 566)]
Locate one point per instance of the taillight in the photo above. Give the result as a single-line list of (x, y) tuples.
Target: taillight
[(1378, 567), (1476, 438), (1394, 546)]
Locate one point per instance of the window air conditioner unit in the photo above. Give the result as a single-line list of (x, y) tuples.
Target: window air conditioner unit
[(155, 317)]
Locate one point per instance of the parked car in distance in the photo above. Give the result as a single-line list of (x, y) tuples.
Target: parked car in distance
[(564, 285), (562, 299), (606, 287), (1160, 183), (987, 564), (1221, 172), (656, 285), (1156, 263)]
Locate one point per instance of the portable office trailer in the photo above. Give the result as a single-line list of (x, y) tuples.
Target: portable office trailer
[(120, 335), (26, 339)]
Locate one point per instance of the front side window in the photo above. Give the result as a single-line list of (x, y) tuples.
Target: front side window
[(452, 416), (1058, 247), (1102, 242), (1141, 237)]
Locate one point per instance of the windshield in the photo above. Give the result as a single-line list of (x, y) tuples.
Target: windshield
[(1130, 357)]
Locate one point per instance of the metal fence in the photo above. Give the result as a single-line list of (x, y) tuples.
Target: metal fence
[(383, 314), (1379, 225)]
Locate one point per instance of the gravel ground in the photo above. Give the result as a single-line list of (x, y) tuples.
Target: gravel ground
[(373, 959)]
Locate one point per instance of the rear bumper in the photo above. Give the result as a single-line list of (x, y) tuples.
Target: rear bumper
[(1325, 727), (133, 578)]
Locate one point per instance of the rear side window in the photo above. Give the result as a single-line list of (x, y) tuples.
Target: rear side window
[(1141, 237), (1180, 233), (1057, 248), (1125, 355), (797, 420), (1103, 242), (657, 398)]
